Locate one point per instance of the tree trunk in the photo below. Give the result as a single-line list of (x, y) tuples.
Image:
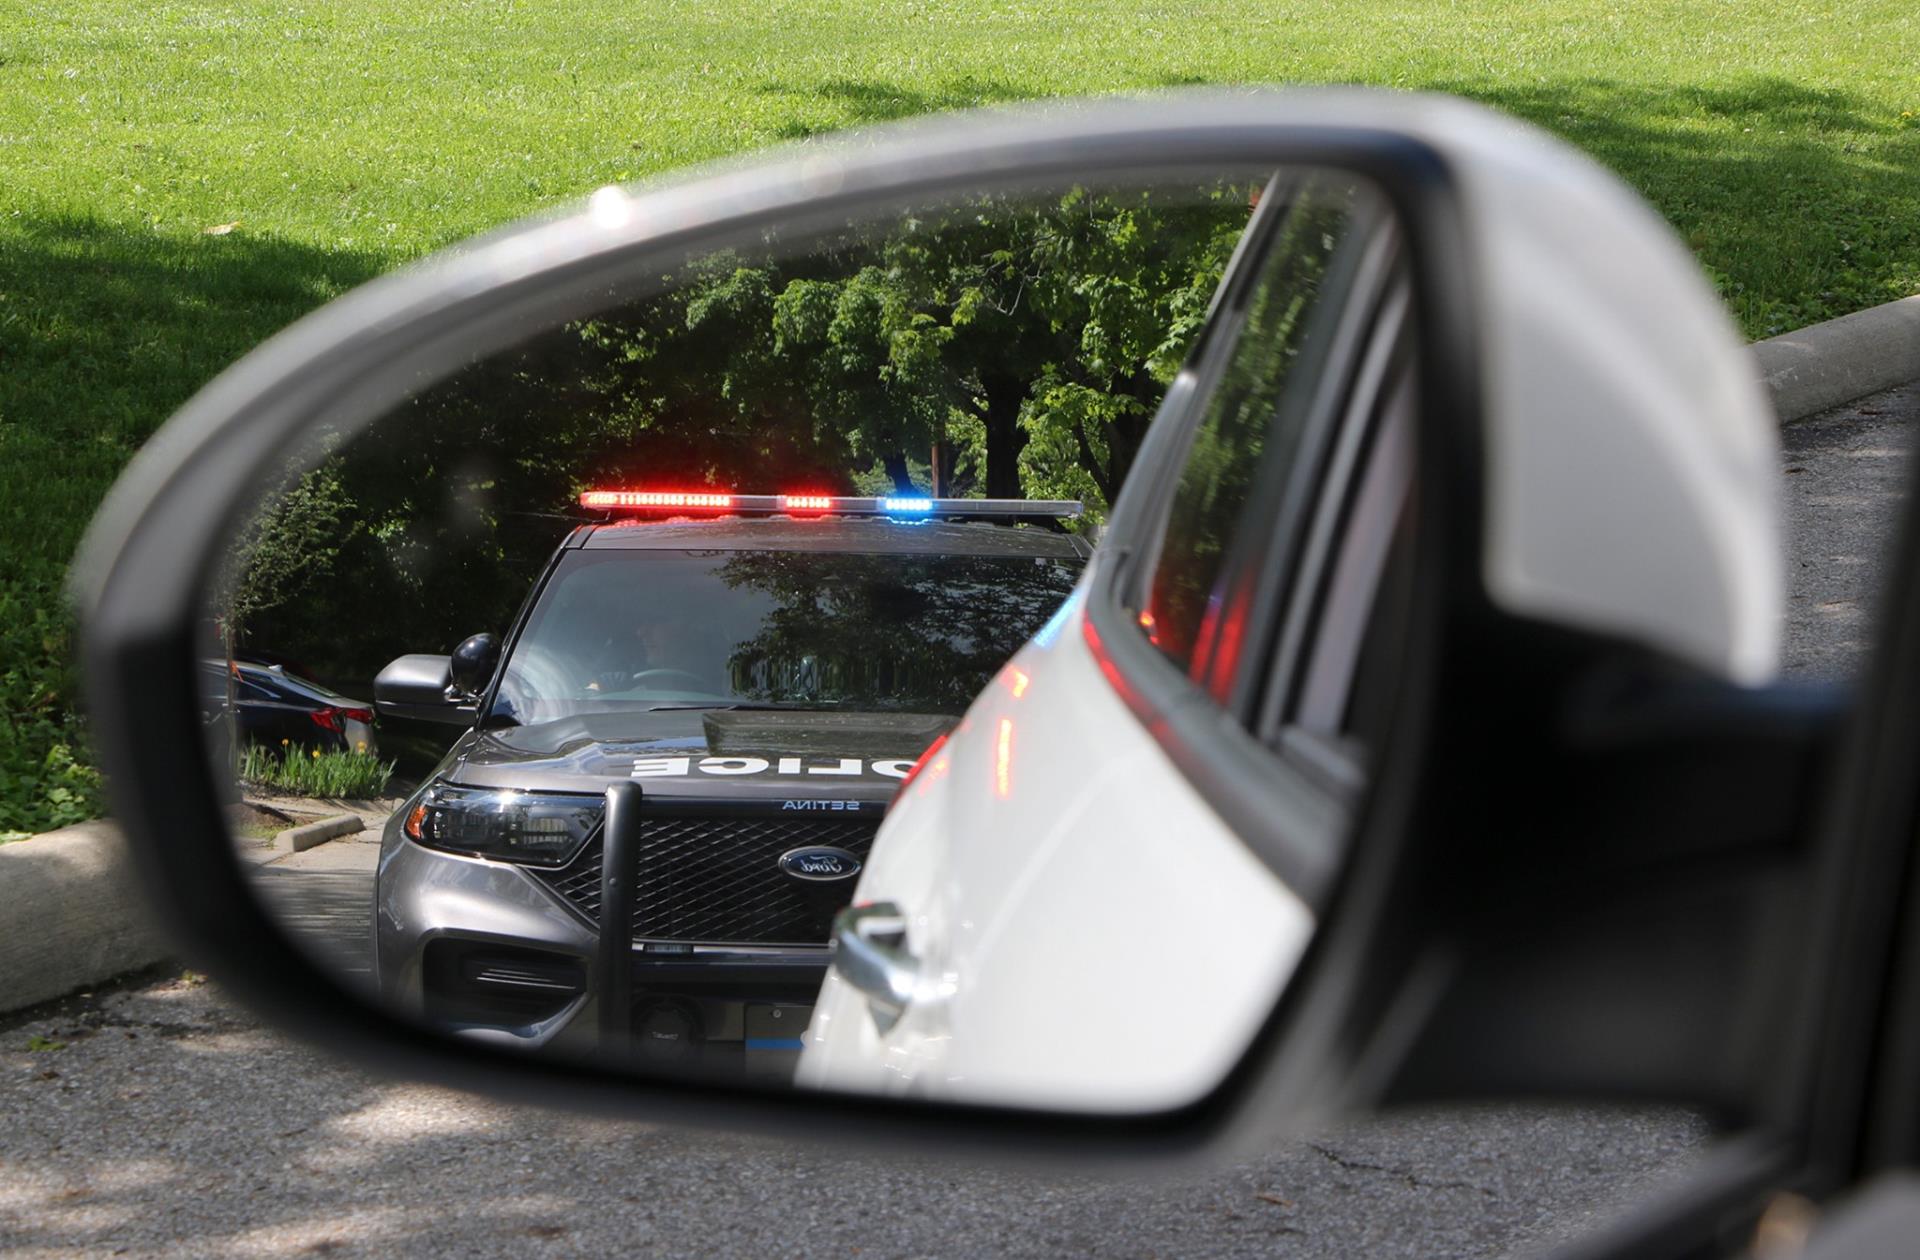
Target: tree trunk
[(1123, 445), (231, 718), (1005, 438), (1125, 436), (896, 466)]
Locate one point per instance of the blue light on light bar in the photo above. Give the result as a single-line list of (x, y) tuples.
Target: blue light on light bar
[(906, 505)]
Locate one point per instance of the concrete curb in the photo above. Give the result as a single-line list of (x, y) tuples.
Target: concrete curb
[(1817, 368), (307, 836), (70, 915)]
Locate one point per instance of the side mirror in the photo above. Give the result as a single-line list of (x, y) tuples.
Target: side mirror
[(472, 665), (1373, 673), (417, 687)]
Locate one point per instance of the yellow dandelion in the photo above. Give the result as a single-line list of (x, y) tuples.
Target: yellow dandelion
[(361, 746), (316, 754), (283, 743)]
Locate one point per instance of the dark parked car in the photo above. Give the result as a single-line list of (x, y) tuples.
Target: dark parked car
[(274, 707)]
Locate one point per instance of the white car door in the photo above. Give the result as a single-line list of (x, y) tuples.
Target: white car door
[(1058, 911)]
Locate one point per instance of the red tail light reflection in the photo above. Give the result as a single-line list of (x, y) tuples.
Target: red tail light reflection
[(926, 758), (1003, 759)]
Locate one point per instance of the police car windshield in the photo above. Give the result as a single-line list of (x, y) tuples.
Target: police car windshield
[(642, 629)]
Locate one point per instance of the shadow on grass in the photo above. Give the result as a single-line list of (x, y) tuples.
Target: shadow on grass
[(104, 331), (1802, 202), (852, 102)]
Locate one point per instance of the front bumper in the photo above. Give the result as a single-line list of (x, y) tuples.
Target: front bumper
[(485, 950)]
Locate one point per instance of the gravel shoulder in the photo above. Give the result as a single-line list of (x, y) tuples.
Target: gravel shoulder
[(1845, 481), (168, 1120)]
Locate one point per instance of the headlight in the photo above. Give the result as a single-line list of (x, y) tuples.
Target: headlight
[(537, 828)]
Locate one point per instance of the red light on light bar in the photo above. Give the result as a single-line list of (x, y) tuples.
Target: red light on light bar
[(806, 502), (653, 498)]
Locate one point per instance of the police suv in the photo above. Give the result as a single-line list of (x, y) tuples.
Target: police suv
[(765, 669)]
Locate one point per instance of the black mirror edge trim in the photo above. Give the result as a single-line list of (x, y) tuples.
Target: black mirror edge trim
[(164, 790), (1855, 1089)]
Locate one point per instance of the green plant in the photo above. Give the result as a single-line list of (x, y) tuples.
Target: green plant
[(313, 772), (45, 778)]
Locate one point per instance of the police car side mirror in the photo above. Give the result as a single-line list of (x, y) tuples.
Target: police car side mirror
[(472, 665), (420, 687), (1328, 749)]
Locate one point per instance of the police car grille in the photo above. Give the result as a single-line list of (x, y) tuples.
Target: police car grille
[(717, 881)]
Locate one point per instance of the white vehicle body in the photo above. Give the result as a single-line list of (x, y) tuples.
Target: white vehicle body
[(1085, 862), (1048, 863)]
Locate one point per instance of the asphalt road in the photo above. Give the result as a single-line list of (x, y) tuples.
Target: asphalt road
[(1844, 483), (324, 897), (161, 1119)]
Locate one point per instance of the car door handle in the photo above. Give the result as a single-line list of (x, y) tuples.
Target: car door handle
[(870, 954)]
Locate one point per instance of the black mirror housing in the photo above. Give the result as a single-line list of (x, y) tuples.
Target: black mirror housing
[(416, 686), (353, 358), (472, 664), (1388, 965)]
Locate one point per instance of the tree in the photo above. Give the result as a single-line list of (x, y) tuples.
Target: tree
[(280, 552), (1005, 345)]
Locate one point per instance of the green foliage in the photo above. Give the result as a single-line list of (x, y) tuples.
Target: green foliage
[(962, 335), (313, 772), (105, 328), (1782, 141), (949, 337), (287, 546), (46, 780)]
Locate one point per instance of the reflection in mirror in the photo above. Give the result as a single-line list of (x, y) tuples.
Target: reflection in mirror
[(653, 617)]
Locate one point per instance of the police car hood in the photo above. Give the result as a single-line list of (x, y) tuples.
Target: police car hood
[(732, 753)]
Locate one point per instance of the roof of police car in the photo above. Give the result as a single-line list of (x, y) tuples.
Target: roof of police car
[(834, 533)]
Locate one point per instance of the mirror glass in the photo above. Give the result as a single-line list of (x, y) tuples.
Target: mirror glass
[(749, 606)]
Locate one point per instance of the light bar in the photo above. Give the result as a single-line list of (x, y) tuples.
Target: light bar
[(653, 499), (913, 507)]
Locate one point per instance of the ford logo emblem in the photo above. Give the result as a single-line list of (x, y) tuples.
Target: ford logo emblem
[(820, 863)]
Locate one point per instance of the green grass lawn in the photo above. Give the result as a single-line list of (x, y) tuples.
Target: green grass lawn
[(1782, 139)]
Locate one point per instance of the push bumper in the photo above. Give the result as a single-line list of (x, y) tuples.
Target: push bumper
[(484, 950)]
